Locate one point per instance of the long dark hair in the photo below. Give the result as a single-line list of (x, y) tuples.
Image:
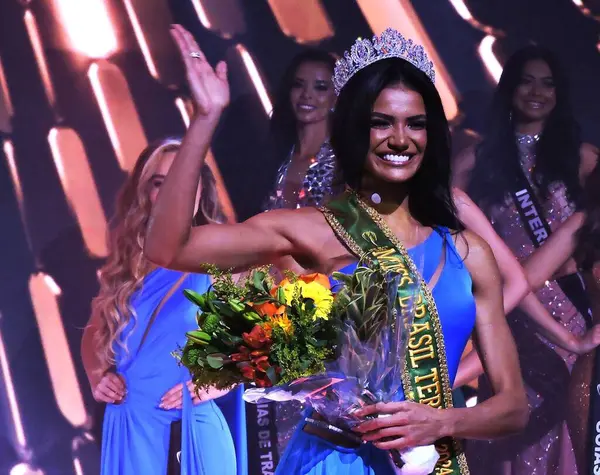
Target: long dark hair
[(557, 159), (429, 190), (587, 252), (283, 129)]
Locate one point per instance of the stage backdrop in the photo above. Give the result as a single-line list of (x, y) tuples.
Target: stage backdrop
[(85, 84)]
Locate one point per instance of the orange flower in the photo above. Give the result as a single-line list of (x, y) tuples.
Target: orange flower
[(257, 338), (318, 278), (268, 309)]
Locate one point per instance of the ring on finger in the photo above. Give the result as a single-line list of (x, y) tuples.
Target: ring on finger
[(196, 54)]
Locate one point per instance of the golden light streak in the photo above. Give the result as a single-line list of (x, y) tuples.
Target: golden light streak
[(486, 51), (400, 14), (259, 85), (11, 397), (65, 385), (580, 4), (77, 466), (184, 110), (118, 111), (182, 107), (141, 39), (79, 187), (6, 106), (462, 9), (88, 27), (305, 21), (201, 12), (24, 469), (38, 51), (9, 153)]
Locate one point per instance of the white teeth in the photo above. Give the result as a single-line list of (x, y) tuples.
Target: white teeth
[(306, 107), (396, 158)]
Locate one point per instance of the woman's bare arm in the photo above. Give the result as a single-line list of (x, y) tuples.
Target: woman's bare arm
[(515, 284), (171, 241), (92, 364), (507, 410), (106, 385), (551, 256)]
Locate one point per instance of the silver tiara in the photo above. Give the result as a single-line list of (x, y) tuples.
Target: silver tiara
[(391, 44)]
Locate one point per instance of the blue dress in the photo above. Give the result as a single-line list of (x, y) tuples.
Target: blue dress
[(308, 454), (136, 433)]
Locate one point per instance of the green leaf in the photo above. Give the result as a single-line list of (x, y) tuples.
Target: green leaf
[(198, 336), (215, 361), (196, 298), (257, 278)]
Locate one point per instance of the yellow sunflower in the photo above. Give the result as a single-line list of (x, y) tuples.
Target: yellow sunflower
[(322, 296)]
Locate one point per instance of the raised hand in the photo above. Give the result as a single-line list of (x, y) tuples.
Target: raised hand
[(209, 87), (110, 389)]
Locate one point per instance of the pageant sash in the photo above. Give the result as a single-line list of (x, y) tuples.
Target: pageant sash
[(538, 230), (425, 377)]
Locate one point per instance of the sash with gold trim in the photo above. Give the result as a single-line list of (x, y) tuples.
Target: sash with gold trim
[(425, 377)]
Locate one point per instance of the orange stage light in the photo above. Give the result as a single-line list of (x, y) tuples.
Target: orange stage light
[(88, 27), (259, 85)]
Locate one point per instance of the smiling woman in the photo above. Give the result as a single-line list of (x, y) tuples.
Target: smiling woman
[(415, 204), (300, 133), (526, 176)]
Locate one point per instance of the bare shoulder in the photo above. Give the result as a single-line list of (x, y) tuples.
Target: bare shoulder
[(475, 251), (589, 159)]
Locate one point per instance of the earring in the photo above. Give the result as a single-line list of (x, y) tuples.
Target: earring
[(332, 110), (375, 198)]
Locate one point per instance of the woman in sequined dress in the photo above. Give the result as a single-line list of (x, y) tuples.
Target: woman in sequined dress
[(578, 237), (532, 132), (300, 133)]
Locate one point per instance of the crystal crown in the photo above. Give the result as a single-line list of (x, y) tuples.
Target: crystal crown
[(391, 44)]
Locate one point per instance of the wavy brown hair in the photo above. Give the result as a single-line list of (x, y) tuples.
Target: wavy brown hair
[(126, 266)]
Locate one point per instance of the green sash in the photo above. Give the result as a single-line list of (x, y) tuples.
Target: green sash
[(425, 377)]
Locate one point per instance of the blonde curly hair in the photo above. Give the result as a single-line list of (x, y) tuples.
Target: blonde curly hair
[(126, 266)]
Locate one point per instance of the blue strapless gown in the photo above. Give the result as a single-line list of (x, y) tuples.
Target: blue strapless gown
[(135, 437), (308, 454)]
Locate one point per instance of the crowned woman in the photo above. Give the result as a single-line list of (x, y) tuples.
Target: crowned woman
[(390, 136)]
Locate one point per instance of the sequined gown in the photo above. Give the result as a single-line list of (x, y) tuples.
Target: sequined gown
[(322, 180), (544, 447)]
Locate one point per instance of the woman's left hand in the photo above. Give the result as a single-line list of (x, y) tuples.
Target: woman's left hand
[(406, 425), (173, 398)]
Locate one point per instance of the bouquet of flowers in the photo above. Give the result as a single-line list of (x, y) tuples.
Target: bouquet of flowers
[(298, 341), (260, 333)]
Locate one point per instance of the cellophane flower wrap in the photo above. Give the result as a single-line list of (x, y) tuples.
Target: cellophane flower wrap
[(298, 341)]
